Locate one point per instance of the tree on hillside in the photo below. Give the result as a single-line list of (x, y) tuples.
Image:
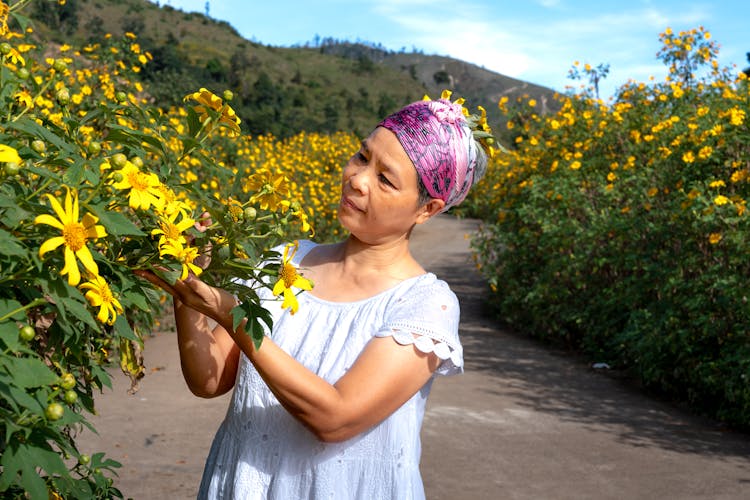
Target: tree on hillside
[(63, 18)]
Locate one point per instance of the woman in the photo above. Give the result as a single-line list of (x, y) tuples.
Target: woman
[(331, 405)]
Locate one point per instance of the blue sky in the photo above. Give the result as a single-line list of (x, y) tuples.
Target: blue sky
[(533, 40)]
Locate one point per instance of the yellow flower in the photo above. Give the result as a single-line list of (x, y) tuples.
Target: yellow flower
[(100, 295), (23, 97), (717, 184), (208, 100), (270, 190), (171, 230), (288, 278), (144, 187), (705, 152), (184, 255), (9, 154), (74, 236), (714, 238), (721, 200)]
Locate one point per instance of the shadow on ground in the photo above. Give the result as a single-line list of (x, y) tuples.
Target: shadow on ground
[(546, 380)]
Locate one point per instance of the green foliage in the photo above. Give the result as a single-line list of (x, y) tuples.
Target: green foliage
[(97, 182), (620, 228)]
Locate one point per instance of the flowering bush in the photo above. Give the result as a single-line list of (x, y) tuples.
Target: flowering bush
[(97, 182), (620, 227)]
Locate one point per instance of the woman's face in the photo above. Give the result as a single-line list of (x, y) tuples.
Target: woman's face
[(379, 191)]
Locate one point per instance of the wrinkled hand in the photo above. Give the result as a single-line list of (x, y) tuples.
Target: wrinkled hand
[(194, 293)]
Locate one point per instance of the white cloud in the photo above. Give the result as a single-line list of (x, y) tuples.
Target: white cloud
[(542, 49)]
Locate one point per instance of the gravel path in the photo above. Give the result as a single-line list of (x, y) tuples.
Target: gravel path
[(523, 422)]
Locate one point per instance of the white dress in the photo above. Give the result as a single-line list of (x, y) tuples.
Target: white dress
[(260, 451)]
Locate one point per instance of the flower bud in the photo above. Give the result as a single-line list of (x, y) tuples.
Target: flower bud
[(63, 96), (94, 148), (59, 65), (5, 48), (228, 95), (39, 146), (119, 160), (12, 168)]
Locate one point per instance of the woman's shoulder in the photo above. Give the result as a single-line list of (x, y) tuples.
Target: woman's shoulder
[(426, 287)]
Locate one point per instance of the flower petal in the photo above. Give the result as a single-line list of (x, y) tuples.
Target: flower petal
[(71, 268), (49, 220), (51, 244), (61, 214), (290, 300), (302, 283), (84, 255), (279, 287)]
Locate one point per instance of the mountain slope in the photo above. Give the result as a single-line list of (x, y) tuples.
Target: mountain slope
[(326, 87)]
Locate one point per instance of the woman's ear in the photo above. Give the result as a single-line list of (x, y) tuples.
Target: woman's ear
[(426, 211)]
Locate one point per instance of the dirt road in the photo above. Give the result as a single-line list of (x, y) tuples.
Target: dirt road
[(523, 422)]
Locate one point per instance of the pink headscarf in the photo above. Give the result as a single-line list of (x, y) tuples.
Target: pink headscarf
[(440, 144)]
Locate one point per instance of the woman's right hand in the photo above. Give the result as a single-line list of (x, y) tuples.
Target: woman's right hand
[(196, 294)]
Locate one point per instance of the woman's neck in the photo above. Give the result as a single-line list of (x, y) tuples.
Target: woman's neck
[(388, 257), (353, 270)]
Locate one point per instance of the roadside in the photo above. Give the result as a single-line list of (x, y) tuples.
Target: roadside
[(523, 422)]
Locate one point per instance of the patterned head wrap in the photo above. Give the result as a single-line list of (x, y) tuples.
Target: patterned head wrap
[(439, 141)]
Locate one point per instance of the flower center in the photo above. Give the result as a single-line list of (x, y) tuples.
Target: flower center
[(171, 231), (74, 235), (106, 295), (138, 181), (288, 274)]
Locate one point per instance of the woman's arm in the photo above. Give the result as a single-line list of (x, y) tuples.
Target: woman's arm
[(383, 378), (209, 356)]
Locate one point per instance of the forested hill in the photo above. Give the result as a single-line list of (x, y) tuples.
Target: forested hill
[(324, 86)]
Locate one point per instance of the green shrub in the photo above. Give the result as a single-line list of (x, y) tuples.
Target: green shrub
[(621, 228)]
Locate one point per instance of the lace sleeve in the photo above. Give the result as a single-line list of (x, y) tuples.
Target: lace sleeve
[(427, 316)]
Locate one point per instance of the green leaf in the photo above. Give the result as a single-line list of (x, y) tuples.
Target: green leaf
[(137, 299), (74, 173), (134, 138), (12, 214), (8, 306), (31, 127), (80, 311), (168, 275), (238, 314), (21, 398), (9, 335), (10, 246), (28, 372), (48, 460), (23, 21), (100, 376), (91, 175), (116, 223), (98, 460), (123, 329), (16, 460)]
